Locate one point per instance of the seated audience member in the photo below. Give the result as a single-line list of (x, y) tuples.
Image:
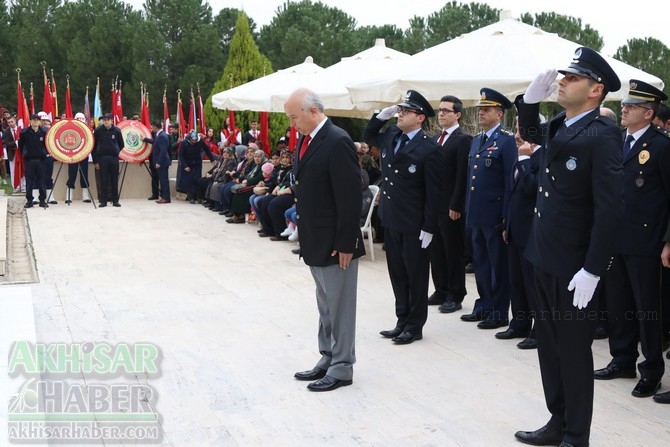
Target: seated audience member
[(243, 168), (271, 208), (220, 176), (239, 201)]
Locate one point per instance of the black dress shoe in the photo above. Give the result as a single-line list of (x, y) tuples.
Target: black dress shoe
[(406, 338), (492, 324), (435, 300), (646, 387), (312, 374), (152, 198), (450, 306), (102, 205), (295, 251), (528, 343), (116, 204), (43, 204), (541, 436), (510, 334), (328, 384), (263, 234), (662, 398), (472, 317), (392, 333), (28, 205), (566, 444), (612, 371)]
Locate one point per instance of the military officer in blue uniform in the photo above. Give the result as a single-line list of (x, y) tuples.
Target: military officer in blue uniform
[(411, 164), (578, 207), (493, 154), (633, 283)]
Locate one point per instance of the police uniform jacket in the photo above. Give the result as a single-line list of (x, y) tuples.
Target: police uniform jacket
[(410, 179), (489, 178), (519, 218), (455, 171), (646, 195), (328, 197), (580, 192), (108, 142), (33, 144)]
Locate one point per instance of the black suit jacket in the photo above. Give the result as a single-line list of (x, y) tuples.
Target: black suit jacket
[(9, 142), (580, 192), (646, 195), (454, 178), (519, 218), (410, 179), (328, 197)]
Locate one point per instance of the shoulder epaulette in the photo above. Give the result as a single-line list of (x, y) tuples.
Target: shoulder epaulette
[(662, 131), (506, 132)]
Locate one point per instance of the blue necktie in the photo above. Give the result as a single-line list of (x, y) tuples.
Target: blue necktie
[(484, 138), (627, 145), (403, 141)]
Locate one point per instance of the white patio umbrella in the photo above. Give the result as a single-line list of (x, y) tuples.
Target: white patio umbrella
[(330, 82), (270, 92), (505, 56), (256, 95)]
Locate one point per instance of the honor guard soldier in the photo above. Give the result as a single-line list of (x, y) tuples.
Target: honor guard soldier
[(493, 154), (411, 165), (33, 147), (579, 205), (633, 282)]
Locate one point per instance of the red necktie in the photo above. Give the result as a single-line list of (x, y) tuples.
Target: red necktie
[(303, 147), (442, 137)]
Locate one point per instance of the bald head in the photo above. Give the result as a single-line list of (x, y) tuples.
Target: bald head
[(305, 110)]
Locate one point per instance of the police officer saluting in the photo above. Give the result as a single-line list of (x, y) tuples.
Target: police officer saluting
[(579, 205), (32, 143), (411, 165), (108, 145)]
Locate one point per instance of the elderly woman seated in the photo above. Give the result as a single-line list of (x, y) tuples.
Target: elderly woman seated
[(270, 208), (209, 185), (243, 189), (223, 194)]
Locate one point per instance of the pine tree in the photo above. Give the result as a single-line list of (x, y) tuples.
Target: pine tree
[(245, 63)]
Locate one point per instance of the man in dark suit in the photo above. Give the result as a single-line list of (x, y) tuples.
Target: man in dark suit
[(492, 157), (579, 204), (328, 200), (160, 162), (447, 253), (411, 165), (633, 283), (517, 226)]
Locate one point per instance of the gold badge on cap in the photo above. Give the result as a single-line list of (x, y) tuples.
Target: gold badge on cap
[(577, 55), (483, 96), (633, 86), (408, 95), (643, 157)]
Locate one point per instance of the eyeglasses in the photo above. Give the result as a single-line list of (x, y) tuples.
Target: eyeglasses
[(445, 111), (404, 110), (633, 106)]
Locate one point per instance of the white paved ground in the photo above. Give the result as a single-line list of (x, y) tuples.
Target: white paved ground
[(234, 316)]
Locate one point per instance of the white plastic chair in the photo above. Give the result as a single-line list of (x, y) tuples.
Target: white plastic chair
[(367, 229)]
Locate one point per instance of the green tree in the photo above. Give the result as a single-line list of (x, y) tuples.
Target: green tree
[(569, 28), (301, 29), (245, 63), (95, 38), (7, 66), (649, 54), (184, 50), (31, 30), (364, 37)]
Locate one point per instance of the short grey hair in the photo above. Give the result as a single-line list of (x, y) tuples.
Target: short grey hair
[(312, 99)]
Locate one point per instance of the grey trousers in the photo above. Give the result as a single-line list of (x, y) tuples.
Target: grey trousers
[(336, 300)]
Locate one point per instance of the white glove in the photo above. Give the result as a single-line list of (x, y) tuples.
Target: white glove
[(387, 113), (541, 87), (584, 284), (425, 239)]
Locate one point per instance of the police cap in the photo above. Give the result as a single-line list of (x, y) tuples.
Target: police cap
[(587, 62), (107, 116), (492, 98), (414, 100), (639, 92)]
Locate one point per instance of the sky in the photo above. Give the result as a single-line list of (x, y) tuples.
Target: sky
[(615, 25)]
